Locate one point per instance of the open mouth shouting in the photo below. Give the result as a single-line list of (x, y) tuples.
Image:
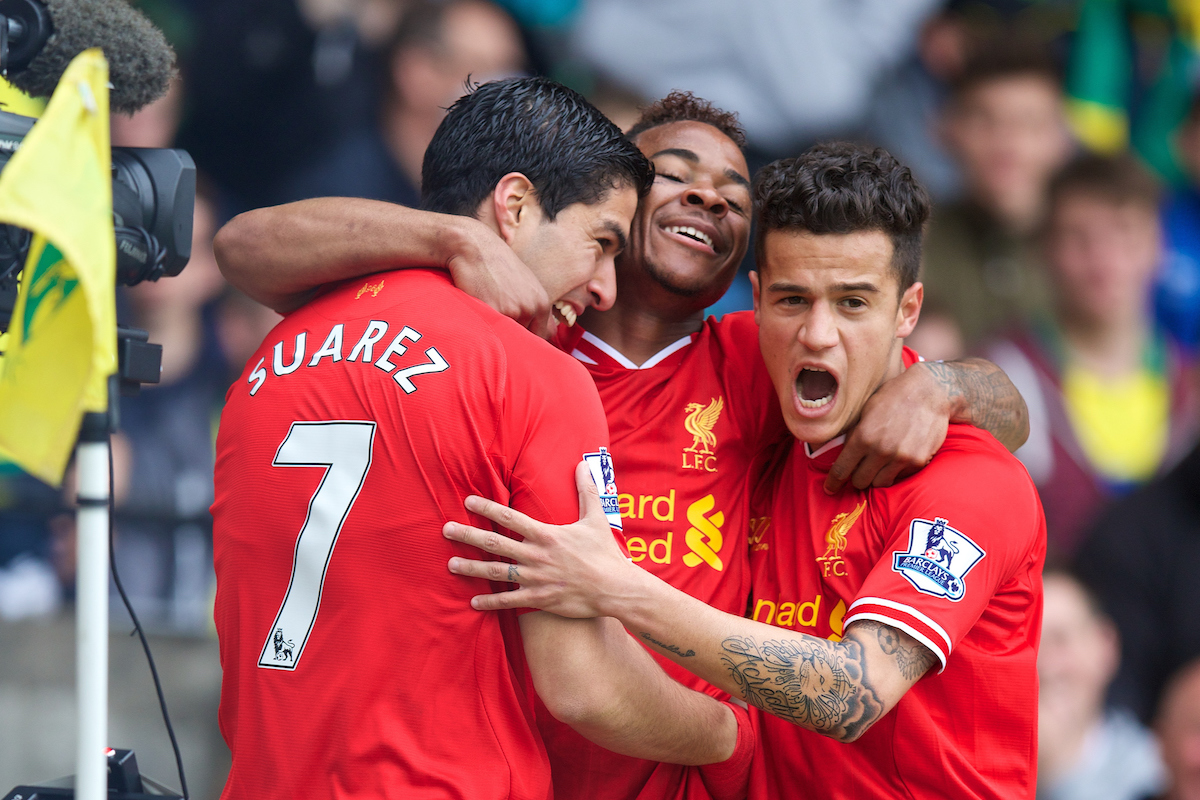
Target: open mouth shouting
[(816, 389)]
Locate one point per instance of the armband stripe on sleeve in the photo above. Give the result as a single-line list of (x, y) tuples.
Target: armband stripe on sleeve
[(920, 633), (906, 609)]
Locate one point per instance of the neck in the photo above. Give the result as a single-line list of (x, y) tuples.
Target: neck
[(180, 334), (637, 332), (407, 134), (1111, 347)]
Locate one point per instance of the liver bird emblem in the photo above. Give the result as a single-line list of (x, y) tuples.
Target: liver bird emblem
[(835, 537), (699, 423)]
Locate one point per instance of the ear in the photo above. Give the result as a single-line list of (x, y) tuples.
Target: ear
[(756, 288), (514, 204), (910, 310)]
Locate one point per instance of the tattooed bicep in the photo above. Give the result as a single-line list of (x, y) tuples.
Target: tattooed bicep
[(912, 658)]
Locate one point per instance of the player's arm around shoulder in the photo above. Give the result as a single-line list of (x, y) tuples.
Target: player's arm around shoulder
[(280, 255), (839, 689)]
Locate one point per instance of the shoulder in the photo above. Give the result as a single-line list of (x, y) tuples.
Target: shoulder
[(975, 474), (737, 329)]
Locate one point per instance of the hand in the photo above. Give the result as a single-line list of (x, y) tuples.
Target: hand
[(563, 569), (902, 425), (486, 268)]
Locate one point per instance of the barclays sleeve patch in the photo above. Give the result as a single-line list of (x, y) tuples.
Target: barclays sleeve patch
[(938, 558), (601, 465)]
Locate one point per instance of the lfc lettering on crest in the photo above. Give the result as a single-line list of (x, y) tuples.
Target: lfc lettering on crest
[(699, 422), (831, 562)]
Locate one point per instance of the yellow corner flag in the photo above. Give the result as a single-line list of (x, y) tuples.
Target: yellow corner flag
[(62, 339)]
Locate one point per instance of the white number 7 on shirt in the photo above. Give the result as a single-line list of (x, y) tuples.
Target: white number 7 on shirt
[(344, 450)]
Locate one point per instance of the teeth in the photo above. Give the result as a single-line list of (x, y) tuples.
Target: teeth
[(820, 401), (692, 232), (567, 312)]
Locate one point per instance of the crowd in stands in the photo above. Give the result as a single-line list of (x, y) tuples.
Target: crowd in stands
[(1059, 138)]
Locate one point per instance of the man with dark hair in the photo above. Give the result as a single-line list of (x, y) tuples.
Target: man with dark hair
[(1005, 125), (688, 403), (352, 665), (436, 49), (941, 569), (1112, 400)]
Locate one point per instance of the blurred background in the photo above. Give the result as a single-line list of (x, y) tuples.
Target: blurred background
[(1059, 138)]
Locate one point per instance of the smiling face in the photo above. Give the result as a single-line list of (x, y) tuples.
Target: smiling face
[(830, 324), (691, 230), (572, 256)]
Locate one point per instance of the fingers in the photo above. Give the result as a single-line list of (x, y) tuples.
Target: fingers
[(589, 492), (489, 541), (847, 462), (869, 467), (513, 520), (498, 571)]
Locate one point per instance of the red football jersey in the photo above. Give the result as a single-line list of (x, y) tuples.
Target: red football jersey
[(353, 663), (953, 556), (686, 427)]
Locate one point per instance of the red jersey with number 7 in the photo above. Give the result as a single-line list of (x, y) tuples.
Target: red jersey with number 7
[(354, 666)]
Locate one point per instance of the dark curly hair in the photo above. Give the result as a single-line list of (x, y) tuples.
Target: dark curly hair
[(844, 188), (569, 150), (686, 107)]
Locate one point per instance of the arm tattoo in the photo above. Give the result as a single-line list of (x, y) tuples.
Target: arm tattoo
[(913, 658), (992, 402), (815, 683), (670, 648)]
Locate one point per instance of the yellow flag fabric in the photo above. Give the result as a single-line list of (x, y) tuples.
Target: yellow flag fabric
[(62, 338)]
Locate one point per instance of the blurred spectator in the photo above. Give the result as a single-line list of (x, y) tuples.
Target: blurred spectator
[(1110, 402), (163, 544), (242, 324), (1085, 752), (1142, 561), (437, 49), (154, 125), (794, 70), (1178, 727), (1005, 125), (28, 584), (903, 116), (1177, 296), (268, 90)]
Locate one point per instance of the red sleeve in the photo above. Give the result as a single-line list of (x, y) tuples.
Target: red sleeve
[(958, 531), (552, 418), (730, 779)]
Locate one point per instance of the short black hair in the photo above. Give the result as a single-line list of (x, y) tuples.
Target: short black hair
[(1119, 180), (844, 188), (1005, 59), (686, 107), (550, 134)]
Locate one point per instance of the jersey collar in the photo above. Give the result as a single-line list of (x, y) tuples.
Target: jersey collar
[(823, 457), (591, 349)]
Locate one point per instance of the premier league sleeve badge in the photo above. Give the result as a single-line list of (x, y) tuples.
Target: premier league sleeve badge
[(601, 466), (938, 558)]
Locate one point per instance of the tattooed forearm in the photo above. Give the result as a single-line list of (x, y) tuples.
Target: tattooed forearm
[(987, 397), (817, 684), (670, 648), (912, 658)]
